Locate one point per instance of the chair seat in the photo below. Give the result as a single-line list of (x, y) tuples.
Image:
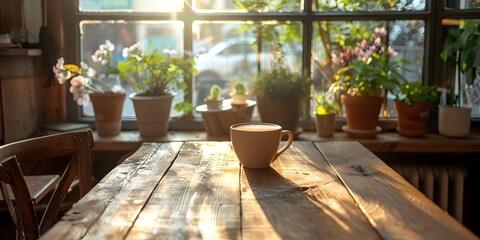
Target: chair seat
[(38, 185)]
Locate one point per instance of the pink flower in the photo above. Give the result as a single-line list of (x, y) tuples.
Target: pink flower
[(78, 91), (378, 42), (364, 44), (381, 32)]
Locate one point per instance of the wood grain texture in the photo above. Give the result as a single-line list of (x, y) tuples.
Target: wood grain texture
[(114, 199), (10, 15), (198, 198), (299, 198), (21, 106), (198, 190), (396, 208)]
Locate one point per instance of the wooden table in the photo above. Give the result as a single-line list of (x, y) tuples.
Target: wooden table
[(198, 190)]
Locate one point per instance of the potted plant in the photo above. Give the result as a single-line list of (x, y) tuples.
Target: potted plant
[(155, 77), (214, 100), (326, 112), (363, 83), (217, 117), (279, 93), (460, 50), (239, 94), (413, 103), (107, 99)]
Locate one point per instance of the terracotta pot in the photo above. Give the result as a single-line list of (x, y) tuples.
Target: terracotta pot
[(412, 120), (218, 122), (362, 112), (108, 112), (283, 112), (239, 99), (454, 121), (325, 124), (214, 104), (153, 114)]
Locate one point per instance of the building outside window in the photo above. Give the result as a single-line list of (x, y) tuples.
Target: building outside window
[(232, 39)]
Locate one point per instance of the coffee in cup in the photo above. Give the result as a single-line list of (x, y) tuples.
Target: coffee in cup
[(257, 144)]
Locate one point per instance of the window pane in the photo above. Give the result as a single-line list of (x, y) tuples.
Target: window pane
[(335, 41), (248, 5), (151, 34), (132, 5), (462, 4), (367, 5), (227, 52)]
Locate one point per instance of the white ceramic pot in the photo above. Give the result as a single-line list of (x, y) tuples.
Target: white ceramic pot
[(454, 121)]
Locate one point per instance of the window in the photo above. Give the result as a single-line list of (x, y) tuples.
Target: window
[(231, 38)]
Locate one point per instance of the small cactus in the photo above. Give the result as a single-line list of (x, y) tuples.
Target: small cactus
[(215, 93), (240, 88)]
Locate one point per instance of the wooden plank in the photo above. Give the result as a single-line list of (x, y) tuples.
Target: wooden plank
[(198, 198), (392, 205), (40, 185), (300, 197), (21, 108), (111, 207)]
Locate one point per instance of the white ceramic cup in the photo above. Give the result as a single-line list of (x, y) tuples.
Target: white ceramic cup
[(257, 144)]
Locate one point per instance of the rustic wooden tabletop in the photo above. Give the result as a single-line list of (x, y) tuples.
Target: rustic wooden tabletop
[(198, 190)]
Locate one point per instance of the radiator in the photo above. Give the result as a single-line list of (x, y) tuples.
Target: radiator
[(444, 185)]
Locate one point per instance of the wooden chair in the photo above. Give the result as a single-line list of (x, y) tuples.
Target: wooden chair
[(70, 150), (24, 215)]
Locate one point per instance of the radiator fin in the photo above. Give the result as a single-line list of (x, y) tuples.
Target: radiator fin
[(444, 185)]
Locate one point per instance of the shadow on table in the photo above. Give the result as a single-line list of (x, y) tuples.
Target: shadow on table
[(288, 208)]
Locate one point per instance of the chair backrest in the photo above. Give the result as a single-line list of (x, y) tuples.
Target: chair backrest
[(74, 146), (23, 215)]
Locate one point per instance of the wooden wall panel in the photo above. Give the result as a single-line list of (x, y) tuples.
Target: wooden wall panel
[(21, 107), (10, 15)]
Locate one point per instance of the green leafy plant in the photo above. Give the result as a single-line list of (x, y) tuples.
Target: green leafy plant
[(215, 93), (370, 71), (464, 40), (371, 77), (460, 49), (279, 82), (415, 92), (151, 73)]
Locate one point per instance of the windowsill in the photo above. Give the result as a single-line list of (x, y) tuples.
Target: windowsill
[(384, 142)]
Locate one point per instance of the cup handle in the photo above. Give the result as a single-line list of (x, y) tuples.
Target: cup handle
[(286, 145)]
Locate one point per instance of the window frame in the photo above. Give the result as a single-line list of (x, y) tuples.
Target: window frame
[(432, 15)]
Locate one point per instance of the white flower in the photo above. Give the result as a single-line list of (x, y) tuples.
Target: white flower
[(90, 72), (118, 89), (109, 46), (131, 50), (330, 97), (103, 52), (169, 52), (61, 73)]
